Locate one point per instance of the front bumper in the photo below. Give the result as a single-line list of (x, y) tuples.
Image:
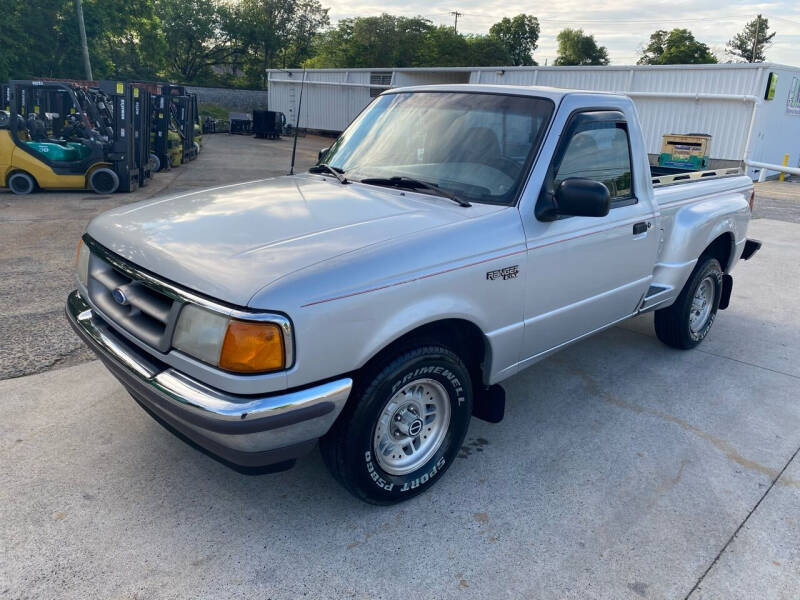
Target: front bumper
[(247, 431)]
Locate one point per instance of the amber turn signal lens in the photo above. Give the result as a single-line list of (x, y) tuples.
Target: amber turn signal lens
[(252, 347)]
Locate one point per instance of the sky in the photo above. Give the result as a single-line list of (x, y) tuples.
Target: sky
[(622, 26)]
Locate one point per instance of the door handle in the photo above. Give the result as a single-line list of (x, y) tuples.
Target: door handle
[(639, 228)]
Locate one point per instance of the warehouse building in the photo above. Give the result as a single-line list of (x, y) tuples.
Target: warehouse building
[(751, 111)]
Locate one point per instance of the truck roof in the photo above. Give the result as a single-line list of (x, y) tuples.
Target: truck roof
[(555, 94)]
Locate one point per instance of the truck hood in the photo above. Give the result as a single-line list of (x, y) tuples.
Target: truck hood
[(229, 242)]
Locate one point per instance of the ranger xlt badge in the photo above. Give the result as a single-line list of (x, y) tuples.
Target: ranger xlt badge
[(504, 273)]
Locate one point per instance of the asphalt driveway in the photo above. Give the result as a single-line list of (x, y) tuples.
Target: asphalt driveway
[(623, 469)]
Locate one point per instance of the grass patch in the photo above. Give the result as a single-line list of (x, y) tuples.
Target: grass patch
[(215, 111)]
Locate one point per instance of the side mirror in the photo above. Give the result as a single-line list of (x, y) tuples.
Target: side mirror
[(579, 197), (322, 153)]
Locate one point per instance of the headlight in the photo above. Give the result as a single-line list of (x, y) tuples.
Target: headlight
[(82, 263), (231, 344)]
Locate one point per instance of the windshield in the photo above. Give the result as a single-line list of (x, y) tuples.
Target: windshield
[(474, 145)]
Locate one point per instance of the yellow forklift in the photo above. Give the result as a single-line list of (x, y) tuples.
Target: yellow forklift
[(61, 135)]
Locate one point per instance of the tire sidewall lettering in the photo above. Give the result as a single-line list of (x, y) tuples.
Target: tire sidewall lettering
[(423, 477)]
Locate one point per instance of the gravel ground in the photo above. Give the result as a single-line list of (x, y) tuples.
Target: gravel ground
[(778, 200)]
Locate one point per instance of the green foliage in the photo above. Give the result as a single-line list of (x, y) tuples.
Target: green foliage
[(382, 41), (487, 51), (676, 47), (212, 110), (233, 42), (275, 33), (124, 38), (519, 35), (741, 46), (391, 41), (577, 48)]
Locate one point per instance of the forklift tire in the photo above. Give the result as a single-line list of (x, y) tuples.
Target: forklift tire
[(104, 181), (155, 163), (196, 148), (21, 183)]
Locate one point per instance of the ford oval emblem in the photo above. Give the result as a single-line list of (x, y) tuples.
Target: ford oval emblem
[(119, 297)]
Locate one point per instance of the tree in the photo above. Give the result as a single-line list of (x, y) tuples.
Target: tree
[(391, 41), (577, 48), (275, 33), (124, 36), (519, 35), (486, 51), (676, 47), (382, 41), (126, 39), (754, 36), (192, 32), (309, 19)]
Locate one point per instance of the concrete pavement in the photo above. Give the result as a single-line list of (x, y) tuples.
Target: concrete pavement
[(623, 469)]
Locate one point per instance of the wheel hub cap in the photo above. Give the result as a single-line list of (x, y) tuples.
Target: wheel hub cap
[(412, 426), (702, 304)]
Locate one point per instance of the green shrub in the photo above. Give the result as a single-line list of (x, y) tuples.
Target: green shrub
[(215, 111)]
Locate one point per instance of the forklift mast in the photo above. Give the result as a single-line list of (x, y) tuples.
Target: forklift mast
[(183, 106), (142, 116), (122, 152)]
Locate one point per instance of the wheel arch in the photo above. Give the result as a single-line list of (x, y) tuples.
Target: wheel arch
[(722, 248), (459, 334)]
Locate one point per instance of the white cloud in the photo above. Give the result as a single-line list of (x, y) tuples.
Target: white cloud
[(623, 26)]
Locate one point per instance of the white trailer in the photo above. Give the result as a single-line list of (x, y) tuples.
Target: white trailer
[(752, 111)]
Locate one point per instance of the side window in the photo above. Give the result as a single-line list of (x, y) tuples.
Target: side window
[(599, 151)]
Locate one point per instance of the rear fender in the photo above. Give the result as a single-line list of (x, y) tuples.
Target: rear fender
[(691, 230)]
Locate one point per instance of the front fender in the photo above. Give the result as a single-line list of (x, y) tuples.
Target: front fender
[(425, 311)]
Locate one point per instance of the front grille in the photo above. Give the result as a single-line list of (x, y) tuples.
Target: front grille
[(139, 309)]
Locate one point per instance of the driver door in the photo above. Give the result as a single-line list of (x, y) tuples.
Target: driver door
[(586, 273)]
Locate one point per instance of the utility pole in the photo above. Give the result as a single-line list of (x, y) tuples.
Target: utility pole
[(87, 66), (755, 39), (456, 14)]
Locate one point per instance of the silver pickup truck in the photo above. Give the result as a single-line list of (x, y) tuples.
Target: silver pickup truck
[(450, 237)]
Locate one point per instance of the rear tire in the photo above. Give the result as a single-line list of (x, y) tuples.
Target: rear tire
[(403, 426), (21, 183), (686, 323), (104, 181)]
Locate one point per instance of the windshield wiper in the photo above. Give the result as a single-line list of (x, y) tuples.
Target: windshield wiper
[(325, 168), (411, 183)]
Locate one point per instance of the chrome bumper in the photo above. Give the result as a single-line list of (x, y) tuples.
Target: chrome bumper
[(244, 430)]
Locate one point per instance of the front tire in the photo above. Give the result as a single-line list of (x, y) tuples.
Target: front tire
[(403, 427), (686, 323), (104, 181), (21, 183)]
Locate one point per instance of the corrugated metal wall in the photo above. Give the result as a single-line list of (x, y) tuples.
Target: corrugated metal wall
[(727, 121), (332, 107)]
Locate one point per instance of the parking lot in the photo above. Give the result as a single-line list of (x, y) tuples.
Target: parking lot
[(623, 468)]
